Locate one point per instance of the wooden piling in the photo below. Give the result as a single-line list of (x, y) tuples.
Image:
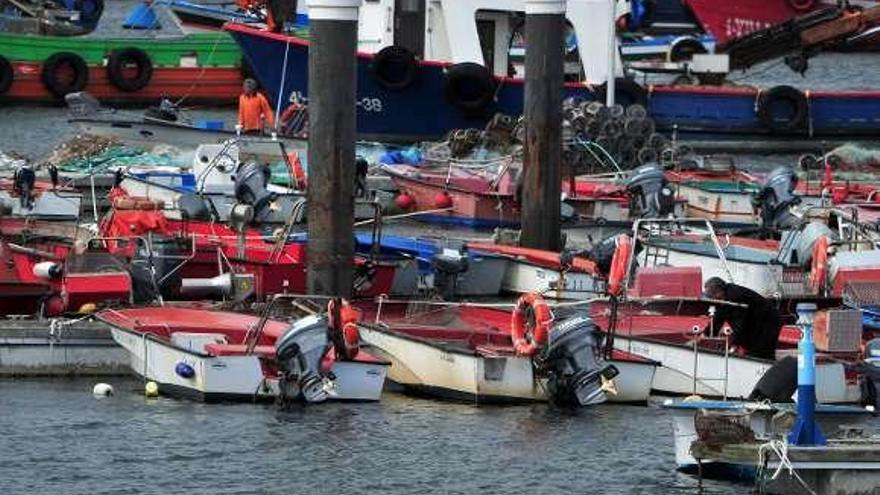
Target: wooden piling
[(542, 186), (333, 26)]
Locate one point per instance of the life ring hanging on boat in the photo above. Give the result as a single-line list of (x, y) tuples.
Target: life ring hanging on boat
[(619, 265), (523, 345), (770, 100), (348, 316), (121, 61), (7, 74), (395, 67), (819, 264), (469, 86), (54, 77)]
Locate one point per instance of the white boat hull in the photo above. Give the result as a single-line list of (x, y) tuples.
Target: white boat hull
[(676, 372), (765, 279), (522, 277), (425, 368), (234, 377)]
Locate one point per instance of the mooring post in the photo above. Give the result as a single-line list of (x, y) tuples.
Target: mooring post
[(333, 26), (806, 430), (542, 186)]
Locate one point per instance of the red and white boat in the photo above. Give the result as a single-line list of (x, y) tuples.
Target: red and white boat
[(467, 352), (217, 356), (43, 272), (199, 253), (727, 21), (663, 319)]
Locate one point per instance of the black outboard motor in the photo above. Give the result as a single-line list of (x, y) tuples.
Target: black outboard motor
[(572, 363), (23, 184), (299, 353), (153, 271), (251, 186), (776, 197), (869, 369), (650, 193), (448, 265)]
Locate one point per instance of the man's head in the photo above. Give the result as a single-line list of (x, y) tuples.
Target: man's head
[(249, 86), (715, 288)]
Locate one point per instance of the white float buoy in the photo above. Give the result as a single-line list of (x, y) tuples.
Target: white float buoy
[(102, 390), (151, 389)]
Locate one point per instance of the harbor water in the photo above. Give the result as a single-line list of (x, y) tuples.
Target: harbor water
[(57, 439)]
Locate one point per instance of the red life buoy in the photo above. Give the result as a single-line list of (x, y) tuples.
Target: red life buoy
[(523, 345), (819, 265), (350, 335), (619, 265)]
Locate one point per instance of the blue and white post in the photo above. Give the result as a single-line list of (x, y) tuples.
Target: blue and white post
[(806, 431)]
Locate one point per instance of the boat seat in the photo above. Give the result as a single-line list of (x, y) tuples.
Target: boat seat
[(266, 351)]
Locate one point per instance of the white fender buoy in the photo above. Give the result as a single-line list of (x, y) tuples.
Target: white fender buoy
[(151, 390), (102, 390)]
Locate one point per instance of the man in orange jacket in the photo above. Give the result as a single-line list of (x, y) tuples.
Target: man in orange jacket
[(254, 112)]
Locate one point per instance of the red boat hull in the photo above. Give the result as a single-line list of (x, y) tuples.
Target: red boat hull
[(208, 85), (727, 21)]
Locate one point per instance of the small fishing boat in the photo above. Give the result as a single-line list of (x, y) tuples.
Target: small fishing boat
[(742, 421), (449, 267), (467, 352), (456, 197), (219, 356), (551, 274)]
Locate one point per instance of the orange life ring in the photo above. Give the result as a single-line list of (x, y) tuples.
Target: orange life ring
[(819, 265), (350, 334), (543, 318), (619, 265)]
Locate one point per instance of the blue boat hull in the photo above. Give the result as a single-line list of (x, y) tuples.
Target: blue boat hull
[(421, 111)]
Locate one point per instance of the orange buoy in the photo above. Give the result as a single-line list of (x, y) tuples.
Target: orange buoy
[(529, 345), (350, 335), (404, 201), (443, 200), (819, 265), (619, 265)]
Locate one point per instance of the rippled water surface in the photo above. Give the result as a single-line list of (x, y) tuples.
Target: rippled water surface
[(55, 438)]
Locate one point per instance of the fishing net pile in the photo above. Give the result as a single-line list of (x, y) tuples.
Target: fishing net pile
[(853, 157), (87, 153)]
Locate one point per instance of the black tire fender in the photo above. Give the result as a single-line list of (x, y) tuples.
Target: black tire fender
[(778, 94), (684, 48), (117, 63), (7, 75), (469, 86), (54, 84), (395, 67)]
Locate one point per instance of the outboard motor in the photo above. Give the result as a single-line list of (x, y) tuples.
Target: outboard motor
[(650, 193), (154, 276), (299, 352), (251, 186), (448, 265), (572, 363), (23, 184), (776, 197), (869, 369)]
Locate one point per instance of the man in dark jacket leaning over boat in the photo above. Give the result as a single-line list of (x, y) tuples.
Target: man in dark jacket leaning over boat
[(755, 327)]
